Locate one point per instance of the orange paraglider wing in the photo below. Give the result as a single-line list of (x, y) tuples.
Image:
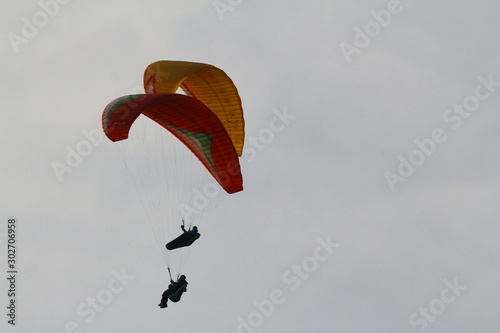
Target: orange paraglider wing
[(206, 83)]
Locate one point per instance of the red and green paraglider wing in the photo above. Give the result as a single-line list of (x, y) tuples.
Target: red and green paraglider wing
[(190, 121)]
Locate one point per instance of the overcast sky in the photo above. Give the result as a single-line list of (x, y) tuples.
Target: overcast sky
[(370, 168)]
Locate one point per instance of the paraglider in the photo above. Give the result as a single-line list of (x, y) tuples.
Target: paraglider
[(186, 239), (208, 120), (174, 291)]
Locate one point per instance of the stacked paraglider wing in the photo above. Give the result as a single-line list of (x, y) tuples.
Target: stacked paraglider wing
[(191, 121), (208, 84)]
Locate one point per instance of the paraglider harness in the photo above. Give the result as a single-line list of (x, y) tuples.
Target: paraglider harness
[(187, 238), (174, 291)]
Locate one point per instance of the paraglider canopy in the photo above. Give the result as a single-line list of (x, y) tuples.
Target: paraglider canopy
[(206, 83), (190, 121)]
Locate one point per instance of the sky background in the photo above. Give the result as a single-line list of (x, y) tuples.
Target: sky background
[(419, 255)]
